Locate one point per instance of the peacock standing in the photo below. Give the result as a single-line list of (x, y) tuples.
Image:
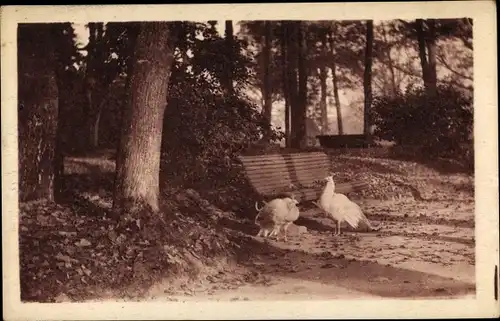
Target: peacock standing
[(340, 207)]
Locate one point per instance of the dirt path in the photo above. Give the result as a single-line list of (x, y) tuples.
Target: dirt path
[(415, 255)]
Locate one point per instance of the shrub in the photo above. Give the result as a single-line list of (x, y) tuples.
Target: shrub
[(204, 131), (439, 126)]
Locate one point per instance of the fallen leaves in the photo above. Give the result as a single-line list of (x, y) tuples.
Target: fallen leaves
[(83, 243)]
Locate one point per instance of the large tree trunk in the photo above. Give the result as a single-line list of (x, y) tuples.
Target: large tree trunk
[(367, 79), (229, 65), (301, 134), (333, 67), (323, 75), (38, 112), (139, 165), (286, 91), (266, 88)]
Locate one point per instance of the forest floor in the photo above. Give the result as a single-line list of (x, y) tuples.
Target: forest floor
[(424, 249)]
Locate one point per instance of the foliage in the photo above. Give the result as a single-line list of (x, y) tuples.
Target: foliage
[(204, 130), (440, 125), (213, 58)]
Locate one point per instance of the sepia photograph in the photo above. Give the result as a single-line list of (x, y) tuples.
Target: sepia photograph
[(235, 159)]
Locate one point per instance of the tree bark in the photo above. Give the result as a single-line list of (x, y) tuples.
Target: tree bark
[(286, 90), (292, 64), (266, 89), (431, 51), (333, 67), (367, 79), (229, 57), (390, 64), (301, 115), (323, 75), (38, 112), (139, 165), (92, 87), (422, 51)]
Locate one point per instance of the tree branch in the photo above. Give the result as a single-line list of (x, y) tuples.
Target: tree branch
[(445, 63)]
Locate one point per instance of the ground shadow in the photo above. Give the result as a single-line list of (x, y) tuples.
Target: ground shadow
[(363, 276), (424, 219)]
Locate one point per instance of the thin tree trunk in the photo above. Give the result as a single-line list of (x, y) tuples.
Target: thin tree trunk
[(335, 86), (302, 89), (286, 91), (229, 62), (390, 63), (340, 122), (292, 47), (138, 172), (422, 51), (367, 79), (431, 50), (323, 100), (266, 55), (323, 75), (90, 82), (95, 133), (38, 112)]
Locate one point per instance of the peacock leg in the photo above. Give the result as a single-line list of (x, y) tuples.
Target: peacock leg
[(338, 227), (285, 229), (275, 232)]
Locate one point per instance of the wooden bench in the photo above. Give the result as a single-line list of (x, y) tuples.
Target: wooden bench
[(300, 174)]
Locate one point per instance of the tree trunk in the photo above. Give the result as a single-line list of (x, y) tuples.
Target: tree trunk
[(292, 47), (367, 79), (323, 75), (138, 169), (90, 82), (390, 64), (38, 112), (301, 134), (95, 133), (229, 57), (266, 89), (336, 87), (422, 51), (286, 91), (431, 51)]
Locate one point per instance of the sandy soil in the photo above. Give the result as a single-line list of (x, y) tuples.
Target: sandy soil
[(414, 255)]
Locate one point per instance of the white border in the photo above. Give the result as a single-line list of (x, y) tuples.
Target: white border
[(486, 148)]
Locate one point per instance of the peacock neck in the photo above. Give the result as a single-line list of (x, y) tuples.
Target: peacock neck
[(328, 189)]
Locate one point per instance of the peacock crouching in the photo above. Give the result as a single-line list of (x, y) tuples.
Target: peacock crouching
[(277, 215)]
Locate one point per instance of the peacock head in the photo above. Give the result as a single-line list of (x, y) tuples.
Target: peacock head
[(294, 200), (329, 179)]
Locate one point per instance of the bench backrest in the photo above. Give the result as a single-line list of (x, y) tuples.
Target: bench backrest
[(294, 173), (280, 173)]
